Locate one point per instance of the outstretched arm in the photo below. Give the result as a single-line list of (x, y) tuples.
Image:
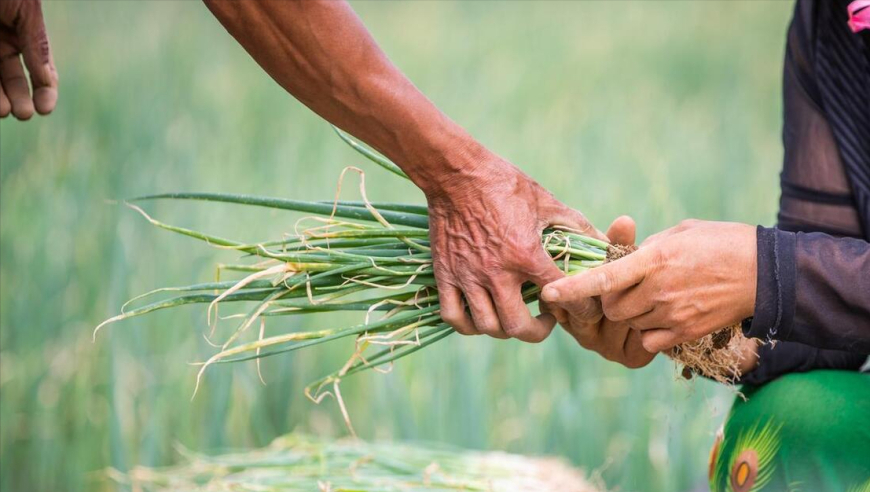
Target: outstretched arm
[(486, 216), (320, 52)]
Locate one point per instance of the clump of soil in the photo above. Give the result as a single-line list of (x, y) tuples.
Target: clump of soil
[(716, 356)]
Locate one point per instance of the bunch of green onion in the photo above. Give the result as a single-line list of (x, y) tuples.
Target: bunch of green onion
[(372, 258), (299, 463)]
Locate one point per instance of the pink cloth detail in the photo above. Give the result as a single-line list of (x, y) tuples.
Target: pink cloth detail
[(859, 15)]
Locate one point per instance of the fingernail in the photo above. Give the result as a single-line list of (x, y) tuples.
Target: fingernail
[(550, 294)]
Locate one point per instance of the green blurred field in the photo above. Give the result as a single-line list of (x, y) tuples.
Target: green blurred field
[(662, 110)]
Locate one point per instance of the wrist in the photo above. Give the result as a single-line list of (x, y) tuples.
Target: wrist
[(774, 284), (749, 271), (442, 159), (454, 166)]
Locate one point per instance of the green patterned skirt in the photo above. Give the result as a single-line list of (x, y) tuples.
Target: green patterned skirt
[(807, 432)]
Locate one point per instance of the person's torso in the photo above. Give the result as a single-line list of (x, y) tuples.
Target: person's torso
[(818, 190)]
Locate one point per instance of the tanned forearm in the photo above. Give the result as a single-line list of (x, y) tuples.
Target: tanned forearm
[(485, 215), (321, 53)]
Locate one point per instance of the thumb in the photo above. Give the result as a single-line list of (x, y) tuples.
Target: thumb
[(565, 216), (622, 230), (541, 269)]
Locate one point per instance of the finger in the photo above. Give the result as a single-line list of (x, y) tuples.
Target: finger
[(36, 51), (628, 304), (612, 337), (15, 83), (483, 313), (649, 320), (634, 350), (622, 231), (574, 220), (586, 334), (5, 105), (514, 316), (658, 340), (560, 314), (606, 279), (544, 271), (453, 310), (583, 310)]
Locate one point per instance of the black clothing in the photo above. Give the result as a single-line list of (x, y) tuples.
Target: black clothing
[(813, 292)]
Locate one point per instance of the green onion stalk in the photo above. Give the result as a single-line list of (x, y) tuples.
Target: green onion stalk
[(301, 463), (367, 257)]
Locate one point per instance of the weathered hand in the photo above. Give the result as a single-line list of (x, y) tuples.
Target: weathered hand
[(485, 230), (682, 284), (485, 216), (614, 340), (22, 33)]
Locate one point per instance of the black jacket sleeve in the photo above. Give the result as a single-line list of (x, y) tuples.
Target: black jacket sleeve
[(777, 359), (812, 289)]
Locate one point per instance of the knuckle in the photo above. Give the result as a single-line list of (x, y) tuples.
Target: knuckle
[(458, 324), (663, 297), (451, 316), (700, 306), (687, 224), (484, 272), (514, 328), (443, 272), (487, 324), (501, 288), (680, 319), (14, 81), (454, 316), (587, 312)]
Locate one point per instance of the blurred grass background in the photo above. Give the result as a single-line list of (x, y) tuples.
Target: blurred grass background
[(662, 110)]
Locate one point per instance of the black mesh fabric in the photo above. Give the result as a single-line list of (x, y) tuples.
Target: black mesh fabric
[(814, 269), (812, 154)]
